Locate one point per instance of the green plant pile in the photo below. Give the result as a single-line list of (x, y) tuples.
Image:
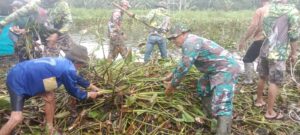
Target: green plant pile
[(134, 102)]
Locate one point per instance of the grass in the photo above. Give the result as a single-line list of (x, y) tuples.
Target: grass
[(225, 28)]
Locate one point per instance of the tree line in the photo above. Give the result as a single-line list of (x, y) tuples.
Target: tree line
[(179, 4)]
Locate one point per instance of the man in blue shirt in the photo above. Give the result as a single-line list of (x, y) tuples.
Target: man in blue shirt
[(41, 77)]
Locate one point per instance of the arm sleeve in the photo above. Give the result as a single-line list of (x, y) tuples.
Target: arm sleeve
[(30, 7), (82, 82), (70, 80), (294, 25), (67, 19), (185, 64), (148, 17)]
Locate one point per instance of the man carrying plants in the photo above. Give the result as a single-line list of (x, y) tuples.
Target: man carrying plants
[(41, 77), (52, 22), (220, 69)]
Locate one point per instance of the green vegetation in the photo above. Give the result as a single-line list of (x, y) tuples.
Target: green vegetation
[(134, 101), (225, 28)]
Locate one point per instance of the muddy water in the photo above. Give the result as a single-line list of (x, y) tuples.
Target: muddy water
[(100, 50)]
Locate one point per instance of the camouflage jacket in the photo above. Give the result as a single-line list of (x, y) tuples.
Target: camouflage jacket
[(281, 26), (114, 24), (157, 18), (56, 16), (206, 55)]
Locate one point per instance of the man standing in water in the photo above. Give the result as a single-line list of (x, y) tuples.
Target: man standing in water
[(116, 36), (159, 20)]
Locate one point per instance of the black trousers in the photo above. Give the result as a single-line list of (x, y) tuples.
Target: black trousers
[(253, 51)]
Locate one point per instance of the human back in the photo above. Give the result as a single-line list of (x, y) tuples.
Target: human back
[(31, 72)]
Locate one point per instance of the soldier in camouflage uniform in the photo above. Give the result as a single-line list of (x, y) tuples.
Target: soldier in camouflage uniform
[(159, 20), (281, 27), (220, 69), (116, 36), (53, 22)]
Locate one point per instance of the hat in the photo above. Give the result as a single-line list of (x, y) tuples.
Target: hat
[(177, 30), (78, 53), (18, 3), (161, 4), (125, 3)]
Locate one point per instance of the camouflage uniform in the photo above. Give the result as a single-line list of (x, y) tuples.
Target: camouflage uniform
[(51, 18), (281, 26), (116, 35), (158, 19), (220, 68)]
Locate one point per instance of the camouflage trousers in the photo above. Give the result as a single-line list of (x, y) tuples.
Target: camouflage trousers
[(273, 70), (117, 46), (64, 42), (220, 88), (8, 61)]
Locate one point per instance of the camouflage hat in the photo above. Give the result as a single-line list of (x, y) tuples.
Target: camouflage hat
[(162, 4), (78, 53), (125, 3), (18, 3), (177, 30)]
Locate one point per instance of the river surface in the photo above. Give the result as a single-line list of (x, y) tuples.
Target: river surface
[(100, 50)]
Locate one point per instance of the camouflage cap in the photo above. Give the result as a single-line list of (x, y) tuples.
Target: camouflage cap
[(276, 0), (125, 3), (18, 3), (177, 30), (78, 53), (162, 4)]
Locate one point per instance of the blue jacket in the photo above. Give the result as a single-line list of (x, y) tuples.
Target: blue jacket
[(28, 78)]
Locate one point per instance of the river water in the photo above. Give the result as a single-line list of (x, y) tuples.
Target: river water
[(100, 50)]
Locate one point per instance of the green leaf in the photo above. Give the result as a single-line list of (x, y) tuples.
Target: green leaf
[(93, 114), (62, 115), (4, 102), (187, 117), (130, 100)]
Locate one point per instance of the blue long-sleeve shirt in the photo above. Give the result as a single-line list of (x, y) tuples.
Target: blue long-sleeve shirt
[(28, 78)]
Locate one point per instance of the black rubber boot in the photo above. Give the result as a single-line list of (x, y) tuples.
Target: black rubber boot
[(249, 73), (224, 125), (206, 103)]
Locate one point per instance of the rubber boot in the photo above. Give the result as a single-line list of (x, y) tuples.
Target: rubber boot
[(206, 103), (249, 73), (224, 125)]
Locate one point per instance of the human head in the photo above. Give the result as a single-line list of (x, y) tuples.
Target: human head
[(15, 5), (161, 4), (78, 55), (263, 2), (49, 2), (125, 4), (280, 1), (177, 33)]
